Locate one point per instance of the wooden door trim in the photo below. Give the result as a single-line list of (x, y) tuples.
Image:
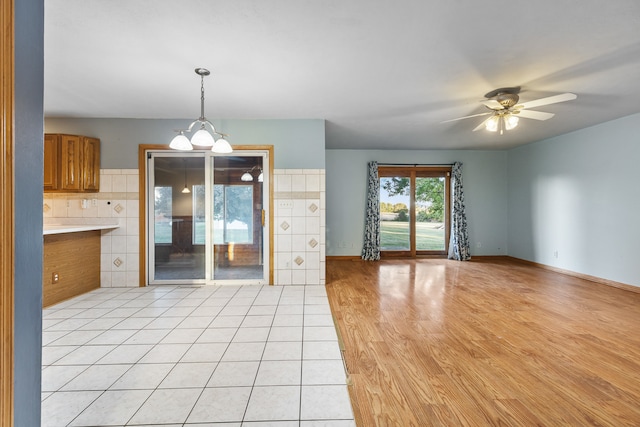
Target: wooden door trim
[(412, 173), (142, 175), (7, 273)]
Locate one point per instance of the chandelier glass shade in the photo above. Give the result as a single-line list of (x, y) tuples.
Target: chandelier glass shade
[(203, 137), (181, 142)]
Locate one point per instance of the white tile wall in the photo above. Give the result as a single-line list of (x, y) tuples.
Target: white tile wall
[(299, 224)]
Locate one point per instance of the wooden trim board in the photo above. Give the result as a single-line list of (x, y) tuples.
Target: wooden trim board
[(7, 272), (594, 279), (7, 234)]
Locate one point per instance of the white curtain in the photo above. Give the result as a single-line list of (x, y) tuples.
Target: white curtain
[(459, 239), (371, 248)]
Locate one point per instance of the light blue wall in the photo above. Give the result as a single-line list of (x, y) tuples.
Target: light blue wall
[(485, 186), (578, 194), (29, 54), (572, 194), (298, 144)]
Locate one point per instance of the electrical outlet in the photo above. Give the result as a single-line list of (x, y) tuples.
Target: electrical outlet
[(555, 254), (55, 278), (479, 245)]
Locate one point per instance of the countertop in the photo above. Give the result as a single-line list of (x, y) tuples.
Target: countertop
[(75, 228)]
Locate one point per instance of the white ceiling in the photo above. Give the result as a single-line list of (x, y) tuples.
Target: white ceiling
[(383, 74)]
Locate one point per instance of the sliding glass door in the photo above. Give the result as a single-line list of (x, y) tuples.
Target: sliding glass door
[(207, 221), (238, 232), (176, 219), (414, 210)]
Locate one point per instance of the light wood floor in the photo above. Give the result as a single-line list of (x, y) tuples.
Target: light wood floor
[(483, 343)]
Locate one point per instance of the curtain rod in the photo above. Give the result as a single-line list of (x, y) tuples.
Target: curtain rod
[(415, 164)]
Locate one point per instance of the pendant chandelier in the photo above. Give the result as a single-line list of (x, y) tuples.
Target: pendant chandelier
[(202, 137)]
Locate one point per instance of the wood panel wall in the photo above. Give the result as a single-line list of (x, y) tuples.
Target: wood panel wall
[(7, 278), (76, 259)]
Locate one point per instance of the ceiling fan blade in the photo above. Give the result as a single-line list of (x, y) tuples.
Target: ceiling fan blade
[(466, 117), (549, 100), (536, 115), (493, 104), (483, 124)]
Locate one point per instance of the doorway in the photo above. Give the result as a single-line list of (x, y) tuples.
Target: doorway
[(207, 217), (414, 210)]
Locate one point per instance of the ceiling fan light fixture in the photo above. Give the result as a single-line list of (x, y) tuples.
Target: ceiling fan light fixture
[(510, 121), (492, 123), (505, 112)]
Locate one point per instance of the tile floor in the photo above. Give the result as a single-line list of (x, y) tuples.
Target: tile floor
[(194, 356)]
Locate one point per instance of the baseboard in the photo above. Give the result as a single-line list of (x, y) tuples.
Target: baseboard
[(343, 258), (582, 276)]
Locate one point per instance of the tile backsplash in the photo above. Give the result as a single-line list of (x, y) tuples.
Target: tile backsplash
[(118, 203), (298, 219)]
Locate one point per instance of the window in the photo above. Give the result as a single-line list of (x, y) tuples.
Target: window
[(163, 214), (232, 214), (414, 210)]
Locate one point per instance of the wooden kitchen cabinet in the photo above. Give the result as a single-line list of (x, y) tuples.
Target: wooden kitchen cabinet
[(74, 260), (71, 163), (91, 164), (51, 163)]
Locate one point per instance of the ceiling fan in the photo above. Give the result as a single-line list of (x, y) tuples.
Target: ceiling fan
[(505, 111)]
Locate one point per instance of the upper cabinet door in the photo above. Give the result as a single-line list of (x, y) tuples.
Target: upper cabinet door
[(91, 164), (71, 165), (51, 159)]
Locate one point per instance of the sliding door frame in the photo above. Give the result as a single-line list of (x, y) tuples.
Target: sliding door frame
[(413, 172), (142, 170)]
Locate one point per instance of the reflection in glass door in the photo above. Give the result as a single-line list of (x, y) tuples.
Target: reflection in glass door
[(238, 229), (206, 221), (178, 219)]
